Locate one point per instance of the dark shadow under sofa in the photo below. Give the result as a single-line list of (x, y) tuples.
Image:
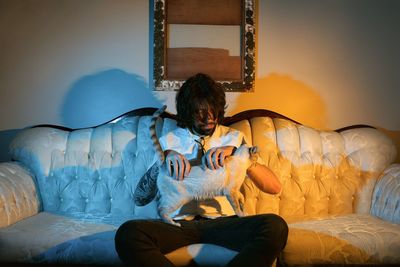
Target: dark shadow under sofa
[(67, 190)]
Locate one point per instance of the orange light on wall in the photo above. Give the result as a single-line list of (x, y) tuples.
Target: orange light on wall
[(287, 96)]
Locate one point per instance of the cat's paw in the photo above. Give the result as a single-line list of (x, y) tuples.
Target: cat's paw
[(173, 222), (241, 214), (176, 223), (169, 220)]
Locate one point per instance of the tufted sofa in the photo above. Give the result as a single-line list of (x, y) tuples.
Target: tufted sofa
[(66, 191)]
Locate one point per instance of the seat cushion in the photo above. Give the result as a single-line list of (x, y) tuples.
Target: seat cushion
[(350, 239), (47, 237), (57, 238), (50, 238)]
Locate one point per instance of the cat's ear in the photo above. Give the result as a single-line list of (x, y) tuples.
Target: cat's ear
[(253, 150), (161, 110)]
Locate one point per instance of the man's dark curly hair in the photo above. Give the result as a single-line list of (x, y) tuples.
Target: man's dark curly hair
[(199, 92)]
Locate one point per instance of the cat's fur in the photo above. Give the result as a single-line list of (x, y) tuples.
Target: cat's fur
[(201, 183)]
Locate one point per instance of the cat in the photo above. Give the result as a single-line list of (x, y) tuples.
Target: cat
[(201, 183)]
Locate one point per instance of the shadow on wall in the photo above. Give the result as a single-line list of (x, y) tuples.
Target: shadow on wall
[(287, 96), (5, 139), (100, 97)]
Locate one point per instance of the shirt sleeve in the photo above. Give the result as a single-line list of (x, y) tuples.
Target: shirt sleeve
[(178, 140)]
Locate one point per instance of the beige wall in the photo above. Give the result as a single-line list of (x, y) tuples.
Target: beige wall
[(48, 45), (326, 64)]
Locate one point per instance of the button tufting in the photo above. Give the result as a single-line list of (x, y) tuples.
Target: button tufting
[(111, 199), (86, 200), (99, 178), (76, 177)]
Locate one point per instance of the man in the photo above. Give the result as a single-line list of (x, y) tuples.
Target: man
[(200, 139)]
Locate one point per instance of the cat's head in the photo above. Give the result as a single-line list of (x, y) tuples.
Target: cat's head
[(245, 152)]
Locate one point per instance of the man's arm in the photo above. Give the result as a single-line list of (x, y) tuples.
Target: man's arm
[(264, 178)]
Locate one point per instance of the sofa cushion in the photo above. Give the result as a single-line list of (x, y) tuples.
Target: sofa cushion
[(97, 248), (45, 234), (350, 239), (87, 239)]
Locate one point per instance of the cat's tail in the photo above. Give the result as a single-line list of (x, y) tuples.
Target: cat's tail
[(153, 134)]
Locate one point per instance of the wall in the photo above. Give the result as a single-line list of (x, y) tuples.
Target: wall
[(326, 64)]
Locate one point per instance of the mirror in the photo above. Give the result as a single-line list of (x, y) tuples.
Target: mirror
[(213, 37)]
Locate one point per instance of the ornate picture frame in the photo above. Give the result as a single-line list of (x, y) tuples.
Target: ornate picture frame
[(246, 83)]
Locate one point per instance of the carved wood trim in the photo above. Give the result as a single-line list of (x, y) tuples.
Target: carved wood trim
[(244, 115)]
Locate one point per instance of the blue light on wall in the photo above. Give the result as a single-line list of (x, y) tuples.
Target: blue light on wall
[(100, 97)]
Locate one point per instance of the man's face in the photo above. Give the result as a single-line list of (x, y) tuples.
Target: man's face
[(204, 122)]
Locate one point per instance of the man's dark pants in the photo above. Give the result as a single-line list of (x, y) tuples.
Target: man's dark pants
[(259, 239)]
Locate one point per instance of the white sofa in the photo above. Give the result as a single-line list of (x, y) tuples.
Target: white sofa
[(66, 191)]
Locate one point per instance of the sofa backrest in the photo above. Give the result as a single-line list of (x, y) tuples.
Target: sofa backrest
[(322, 172), (95, 170)]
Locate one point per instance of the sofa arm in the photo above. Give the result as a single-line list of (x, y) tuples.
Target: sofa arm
[(386, 196), (18, 195)]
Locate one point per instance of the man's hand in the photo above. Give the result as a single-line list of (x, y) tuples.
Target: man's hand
[(215, 157), (177, 164)]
